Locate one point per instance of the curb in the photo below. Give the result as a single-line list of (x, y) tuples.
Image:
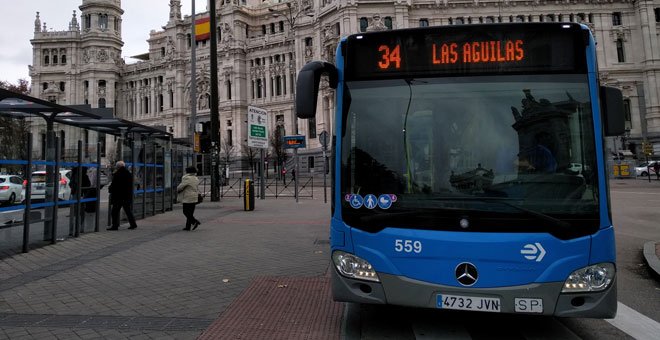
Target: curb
[(651, 257)]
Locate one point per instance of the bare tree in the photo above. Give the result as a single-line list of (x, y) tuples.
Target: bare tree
[(14, 131), (226, 152), (251, 154), (277, 145)]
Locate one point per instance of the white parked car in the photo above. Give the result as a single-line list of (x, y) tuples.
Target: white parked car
[(39, 185), (643, 169), (577, 168), (11, 187)]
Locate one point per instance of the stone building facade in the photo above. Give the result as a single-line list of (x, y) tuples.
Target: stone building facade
[(262, 44)]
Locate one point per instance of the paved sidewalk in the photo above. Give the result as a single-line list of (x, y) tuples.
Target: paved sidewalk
[(159, 282)]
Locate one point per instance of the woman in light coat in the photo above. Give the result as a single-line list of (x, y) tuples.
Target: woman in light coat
[(188, 195)]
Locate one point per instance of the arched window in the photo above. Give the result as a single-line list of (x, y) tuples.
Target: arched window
[(272, 27), (103, 21), (101, 103), (229, 89), (55, 59), (281, 26), (46, 60), (63, 61)]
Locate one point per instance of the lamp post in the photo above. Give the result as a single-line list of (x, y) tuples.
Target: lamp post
[(291, 13)]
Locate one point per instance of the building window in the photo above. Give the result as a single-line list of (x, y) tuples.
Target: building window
[(54, 59), (88, 21), (146, 105), (388, 22), (62, 86), (616, 19), (626, 114), (160, 103), (46, 60), (272, 27), (278, 85), (363, 24), (310, 162), (63, 60), (189, 39), (308, 42), (101, 83), (230, 138), (657, 14), (44, 85), (103, 21), (423, 22), (229, 89), (171, 99), (263, 29), (620, 52), (101, 103), (337, 29), (281, 26), (258, 88), (162, 51), (311, 127)]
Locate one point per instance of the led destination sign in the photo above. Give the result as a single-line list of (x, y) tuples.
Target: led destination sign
[(467, 49)]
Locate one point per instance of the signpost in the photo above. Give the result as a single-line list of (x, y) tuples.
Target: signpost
[(258, 138), (295, 142)]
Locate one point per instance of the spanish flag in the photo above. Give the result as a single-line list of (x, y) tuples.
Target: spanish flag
[(202, 29)]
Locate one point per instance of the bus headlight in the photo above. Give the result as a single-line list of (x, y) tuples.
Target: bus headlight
[(593, 278), (354, 267)]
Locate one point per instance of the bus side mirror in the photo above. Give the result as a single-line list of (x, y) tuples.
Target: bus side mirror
[(611, 108), (307, 87)]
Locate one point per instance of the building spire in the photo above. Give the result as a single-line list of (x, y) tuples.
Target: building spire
[(175, 10), (73, 25), (37, 24)]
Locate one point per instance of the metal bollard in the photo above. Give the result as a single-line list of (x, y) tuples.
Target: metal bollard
[(248, 198)]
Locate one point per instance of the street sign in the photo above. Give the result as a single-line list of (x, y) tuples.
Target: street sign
[(294, 142), (648, 148), (323, 138), (257, 127)]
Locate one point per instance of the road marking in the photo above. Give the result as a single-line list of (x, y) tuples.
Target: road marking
[(635, 323), (546, 328), (635, 192)]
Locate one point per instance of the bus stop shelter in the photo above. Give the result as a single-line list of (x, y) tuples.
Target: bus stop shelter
[(50, 147)]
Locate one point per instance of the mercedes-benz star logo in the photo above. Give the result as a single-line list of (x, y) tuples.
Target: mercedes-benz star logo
[(466, 274)]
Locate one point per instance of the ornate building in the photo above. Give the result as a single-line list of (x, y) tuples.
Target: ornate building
[(262, 44)]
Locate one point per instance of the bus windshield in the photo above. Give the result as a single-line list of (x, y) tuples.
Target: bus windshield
[(499, 152)]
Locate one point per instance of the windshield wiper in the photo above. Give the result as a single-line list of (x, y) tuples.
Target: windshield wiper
[(542, 216)]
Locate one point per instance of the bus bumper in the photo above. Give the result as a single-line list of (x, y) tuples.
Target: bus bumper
[(397, 290)]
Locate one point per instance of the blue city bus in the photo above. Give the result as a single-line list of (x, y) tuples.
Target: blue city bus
[(469, 169)]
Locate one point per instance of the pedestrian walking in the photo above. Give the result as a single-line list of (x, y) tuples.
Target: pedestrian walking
[(656, 167), (76, 188), (189, 196), (121, 196)]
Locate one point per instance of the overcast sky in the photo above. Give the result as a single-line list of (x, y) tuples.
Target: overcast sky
[(17, 27)]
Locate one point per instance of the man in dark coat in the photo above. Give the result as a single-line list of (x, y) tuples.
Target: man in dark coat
[(121, 196)]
